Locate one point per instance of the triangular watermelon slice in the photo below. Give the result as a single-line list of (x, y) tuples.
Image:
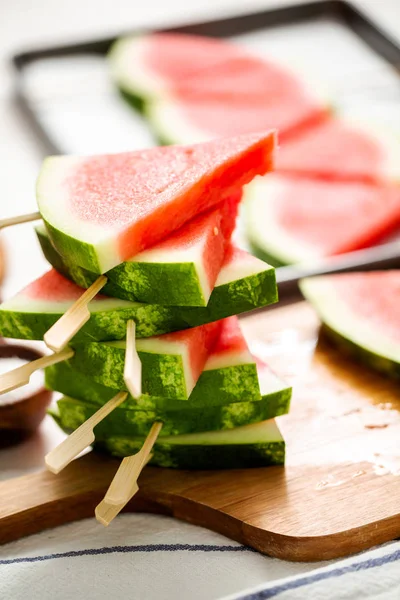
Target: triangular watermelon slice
[(343, 149), (171, 363), (361, 313), (182, 269), (244, 283), (102, 210), (195, 88), (292, 219), (180, 120)]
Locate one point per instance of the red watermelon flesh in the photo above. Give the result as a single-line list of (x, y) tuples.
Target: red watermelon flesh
[(120, 204), (295, 219), (194, 344), (246, 79), (55, 286), (175, 57), (334, 149), (230, 338), (338, 217), (373, 296), (361, 312)]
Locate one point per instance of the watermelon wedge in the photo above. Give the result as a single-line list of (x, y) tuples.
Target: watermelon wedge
[(229, 375), (244, 283), (146, 66), (294, 220), (256, 445), (102, 210), (360, 312), (181, 270), (196, 88), (344, 149), (171, 363), (178, 120), (65, 379), (131, 423)]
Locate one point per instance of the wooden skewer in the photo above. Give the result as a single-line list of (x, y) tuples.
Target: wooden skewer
[(59, 334), (21, 375), (133, 365), (106, 512), (20, 219), (81, 438), (124, 485)]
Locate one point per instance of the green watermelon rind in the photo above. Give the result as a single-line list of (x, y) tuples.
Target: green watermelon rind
[(216, 387), (235, 297), (123, 422), (167, 283), (162, 374), (350, 332), (161, 283), (229, 449), (103, 325), (78, 252)]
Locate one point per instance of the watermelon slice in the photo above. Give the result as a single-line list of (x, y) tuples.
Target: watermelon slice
[(102, 210), (204, 88), (73, 383), (291, 220), (360, 312), (131, 423), (178, 120), (244, 283), (229, 375), (256, 445), (146, 66), (344, 149), (182, 270), (171, 363)]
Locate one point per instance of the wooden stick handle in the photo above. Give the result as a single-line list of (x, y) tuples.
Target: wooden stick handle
[(123, 485), (81, 438), (106, 512), (21, 375), (133, 365), (20, 219), (59, 334)]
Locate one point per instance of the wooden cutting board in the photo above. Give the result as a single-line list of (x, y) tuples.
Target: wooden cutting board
[(338, 494)]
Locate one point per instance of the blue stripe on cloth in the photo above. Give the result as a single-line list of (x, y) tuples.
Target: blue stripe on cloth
[(127, 550), (310, 579)]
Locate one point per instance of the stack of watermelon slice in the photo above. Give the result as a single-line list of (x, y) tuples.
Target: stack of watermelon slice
[(158, 223)]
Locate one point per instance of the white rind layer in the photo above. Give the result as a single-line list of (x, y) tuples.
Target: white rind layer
[(128, 68), (261, 198), (244, 265), (262, 432), (53, 201), (171, 125), (228, 359), (337, 315), (193, 255), (24, 304)]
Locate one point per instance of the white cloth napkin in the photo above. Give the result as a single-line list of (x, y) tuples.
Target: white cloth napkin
[(149, 557)]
